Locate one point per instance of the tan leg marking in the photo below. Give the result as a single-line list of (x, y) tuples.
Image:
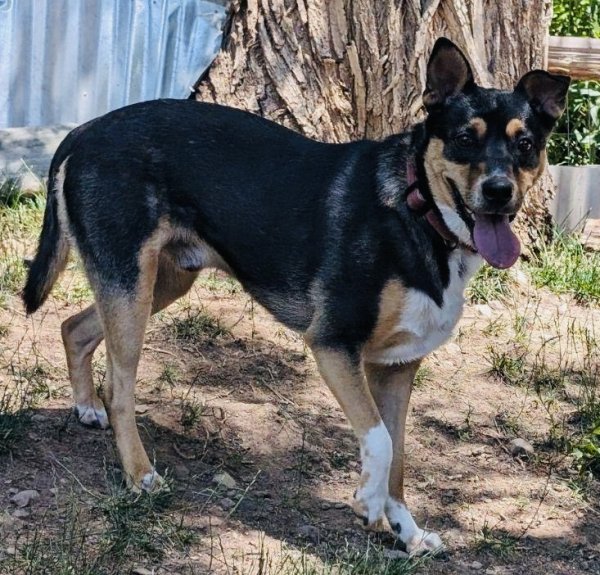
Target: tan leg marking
[(82, 333), (348, 385), (386, 334), (391, 387)]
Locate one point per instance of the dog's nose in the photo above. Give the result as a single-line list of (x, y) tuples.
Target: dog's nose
[(497, 190)]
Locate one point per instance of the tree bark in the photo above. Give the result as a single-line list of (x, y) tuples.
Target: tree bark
[(340, 70)]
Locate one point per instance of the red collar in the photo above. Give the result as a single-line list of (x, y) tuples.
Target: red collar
[(417, 203)]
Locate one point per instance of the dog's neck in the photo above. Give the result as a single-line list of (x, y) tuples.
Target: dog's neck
[(422, 205)]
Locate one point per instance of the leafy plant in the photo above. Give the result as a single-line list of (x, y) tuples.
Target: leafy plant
[(576, 140)]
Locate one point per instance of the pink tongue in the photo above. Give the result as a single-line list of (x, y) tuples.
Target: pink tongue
[(495, 241)]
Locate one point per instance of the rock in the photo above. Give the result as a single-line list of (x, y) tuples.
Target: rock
[(39, 418), (223, 479), (11, 550), (141, 408), (141, 571), (54, 491), (181, 471), (24, 498), (520, 446), (13, 490), (20, 513), (231, 493), (340, 505), (262, 494), (325, 505), (395, 554), (227, 503), (484, 310), (309, 532), (476, 565)]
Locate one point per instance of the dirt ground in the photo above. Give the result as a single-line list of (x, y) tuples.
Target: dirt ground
[(241, 394)]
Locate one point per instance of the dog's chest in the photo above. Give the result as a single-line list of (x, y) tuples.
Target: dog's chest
[(418, 325)]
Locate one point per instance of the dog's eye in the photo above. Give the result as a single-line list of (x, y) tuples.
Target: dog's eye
[(525, 145), (465, 140)]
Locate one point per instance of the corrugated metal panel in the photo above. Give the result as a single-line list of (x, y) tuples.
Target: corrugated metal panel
[(71, 60)]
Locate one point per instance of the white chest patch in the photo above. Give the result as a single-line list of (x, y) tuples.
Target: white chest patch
[(425, 325)]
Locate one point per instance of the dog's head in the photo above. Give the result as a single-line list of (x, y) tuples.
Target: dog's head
[(485, 148)]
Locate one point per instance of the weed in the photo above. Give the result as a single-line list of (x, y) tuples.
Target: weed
[(497, 541), (335, 561), (138, 522), (15, 412), (423, 375), (489, 284), (169, 375), (196, 325), (191, 412), (219, 283), (507, 367), (565, 267)]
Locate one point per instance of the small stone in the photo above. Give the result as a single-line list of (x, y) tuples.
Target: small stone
[(484, 310), (224, 480), (309, 532), (54, 491), (141, 571), (141, 408), (476, 565), (395, 554), (11, 550), (325, 505), (227, 503), (262, 494), (520, 446), (13, 490), (181, 471), (20, 513), (231, 493), (39, 418), (24, 498), (340, 505)]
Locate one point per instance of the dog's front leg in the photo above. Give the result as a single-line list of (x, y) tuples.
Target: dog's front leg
[(342, 373), (391, 387)]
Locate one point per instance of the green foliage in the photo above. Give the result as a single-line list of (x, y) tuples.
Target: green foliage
[(576, 140), (576, 18), (564, 266), (489, 284)]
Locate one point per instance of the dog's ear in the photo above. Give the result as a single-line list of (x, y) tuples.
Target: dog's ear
[(448, 73), (546, 92)]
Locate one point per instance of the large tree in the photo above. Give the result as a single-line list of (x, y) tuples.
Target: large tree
[(339, 70)]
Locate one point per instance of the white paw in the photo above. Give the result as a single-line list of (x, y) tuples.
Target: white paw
[(424, 542), (370, 506), (92, 416), (153, 482)]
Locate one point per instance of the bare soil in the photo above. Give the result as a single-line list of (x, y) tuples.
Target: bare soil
[(255, 407)]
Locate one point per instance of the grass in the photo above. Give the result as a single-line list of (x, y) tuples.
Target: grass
[(196, 325), (565, 267), (489, 284), (342, 560), (108, 538), (15, 415)]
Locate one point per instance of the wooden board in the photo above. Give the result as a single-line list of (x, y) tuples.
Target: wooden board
[(576, 57)]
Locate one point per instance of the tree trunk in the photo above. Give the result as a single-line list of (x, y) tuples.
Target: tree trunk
[(339, 70)]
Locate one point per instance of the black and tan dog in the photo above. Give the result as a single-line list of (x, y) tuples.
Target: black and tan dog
[(364, 248)]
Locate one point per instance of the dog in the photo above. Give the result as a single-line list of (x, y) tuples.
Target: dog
[(364, 248)]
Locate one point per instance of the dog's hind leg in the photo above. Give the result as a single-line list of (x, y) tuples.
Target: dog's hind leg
[(391, 387), (82, 333), (344, 376)]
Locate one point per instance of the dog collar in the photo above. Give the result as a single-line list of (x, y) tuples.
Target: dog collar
[(417, 203)]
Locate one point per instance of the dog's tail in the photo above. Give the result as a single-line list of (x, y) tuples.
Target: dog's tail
[(53, 247)]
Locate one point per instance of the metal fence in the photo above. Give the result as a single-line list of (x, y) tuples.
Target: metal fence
[(67, 61)]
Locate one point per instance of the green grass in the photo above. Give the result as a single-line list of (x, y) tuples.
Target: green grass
[(196, 325), (341, 560), (565, 267), (107, 537), (15, 414), (489, 284)]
